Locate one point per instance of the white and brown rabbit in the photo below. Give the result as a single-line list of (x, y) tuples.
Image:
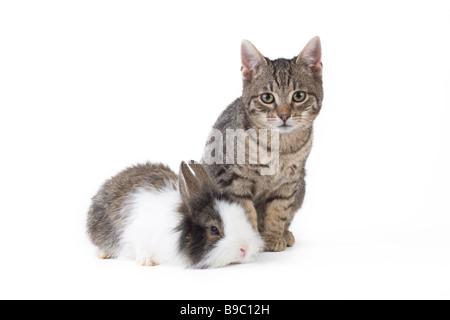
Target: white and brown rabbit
[(149, 214)]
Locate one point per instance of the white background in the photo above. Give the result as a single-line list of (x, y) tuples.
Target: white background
[(88, 88)]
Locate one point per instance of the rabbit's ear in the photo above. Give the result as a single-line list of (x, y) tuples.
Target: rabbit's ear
[(201, 174), (189, 184)]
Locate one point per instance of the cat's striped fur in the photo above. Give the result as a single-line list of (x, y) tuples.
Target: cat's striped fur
[(272, 200)]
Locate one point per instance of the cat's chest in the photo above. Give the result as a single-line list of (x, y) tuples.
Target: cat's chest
[(287, 168), (267, 183)]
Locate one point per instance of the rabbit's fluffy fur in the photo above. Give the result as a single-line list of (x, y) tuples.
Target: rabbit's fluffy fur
[(147, 214)]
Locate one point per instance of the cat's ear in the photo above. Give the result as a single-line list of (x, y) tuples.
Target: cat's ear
[(251, 60), (312, 56)]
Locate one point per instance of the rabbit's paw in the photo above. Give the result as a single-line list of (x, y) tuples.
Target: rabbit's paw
[(103, 255), (146, 262)]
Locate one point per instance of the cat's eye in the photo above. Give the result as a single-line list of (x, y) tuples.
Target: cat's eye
[(299, 96), (215, 231), (267, 98)]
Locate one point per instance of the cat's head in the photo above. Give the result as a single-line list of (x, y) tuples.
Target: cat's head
[(284, 94)]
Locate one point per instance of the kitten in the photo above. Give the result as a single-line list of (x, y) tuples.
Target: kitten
[(285, 96)]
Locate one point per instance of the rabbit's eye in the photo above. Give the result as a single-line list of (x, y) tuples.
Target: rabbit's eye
[(215, 231)]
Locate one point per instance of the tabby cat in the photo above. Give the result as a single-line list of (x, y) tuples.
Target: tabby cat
[(284, 95)]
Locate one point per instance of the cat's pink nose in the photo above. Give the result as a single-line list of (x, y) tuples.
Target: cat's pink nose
[(243, 252), (284, 116)]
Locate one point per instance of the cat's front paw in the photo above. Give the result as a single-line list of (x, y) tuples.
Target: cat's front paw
[(275, 243), (290, 239)]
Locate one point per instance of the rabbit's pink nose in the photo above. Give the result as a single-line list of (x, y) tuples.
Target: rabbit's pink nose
[(243, 252)]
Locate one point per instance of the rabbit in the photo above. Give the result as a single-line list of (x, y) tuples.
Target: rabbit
[(149, 214)]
